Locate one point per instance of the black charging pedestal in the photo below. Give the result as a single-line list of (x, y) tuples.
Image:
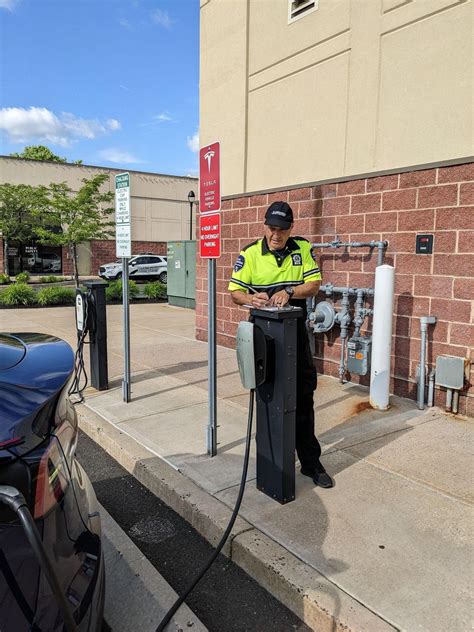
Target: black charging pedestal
[(97, 321), (276, 400)]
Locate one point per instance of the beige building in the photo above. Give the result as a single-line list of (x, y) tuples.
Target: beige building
[(345, 87), (359, 114), (160, 208)]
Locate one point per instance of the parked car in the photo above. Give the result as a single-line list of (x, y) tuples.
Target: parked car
[(143, 266), (38, 436)]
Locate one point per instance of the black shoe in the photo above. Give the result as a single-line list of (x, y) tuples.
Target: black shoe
[(320, 477)]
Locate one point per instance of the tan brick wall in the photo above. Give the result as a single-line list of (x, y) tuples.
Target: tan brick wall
[(392, 207)]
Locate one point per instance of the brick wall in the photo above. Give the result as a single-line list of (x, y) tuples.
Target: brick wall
[(393, 207), (103, 251)]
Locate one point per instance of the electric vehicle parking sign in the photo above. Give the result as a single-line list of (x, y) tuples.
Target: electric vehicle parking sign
[(123, 219), (209, 179)]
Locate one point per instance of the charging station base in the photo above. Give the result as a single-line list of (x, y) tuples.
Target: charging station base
[(276, 404)]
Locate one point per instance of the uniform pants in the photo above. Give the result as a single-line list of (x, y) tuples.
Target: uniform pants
[(307, 446)]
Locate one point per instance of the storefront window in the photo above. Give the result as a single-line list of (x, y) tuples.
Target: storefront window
[(34, 258)]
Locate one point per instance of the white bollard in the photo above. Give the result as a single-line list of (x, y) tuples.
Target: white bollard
[(382, 337)]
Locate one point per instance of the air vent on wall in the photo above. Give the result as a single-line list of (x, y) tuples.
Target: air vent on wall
[(299, 8)]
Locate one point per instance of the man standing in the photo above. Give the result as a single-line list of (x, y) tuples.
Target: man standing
[(273, 271)]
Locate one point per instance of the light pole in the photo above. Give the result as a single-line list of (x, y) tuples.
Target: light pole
[(191, 198)]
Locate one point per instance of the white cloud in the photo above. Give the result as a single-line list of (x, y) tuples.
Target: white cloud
[(126, 24), (40, 124), (124, 87), (161, 18), (118, 156), (163, 117), (113, 124), (8, 4), (193, 142)]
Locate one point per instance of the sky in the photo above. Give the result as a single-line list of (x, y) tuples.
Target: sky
[(109, 82)]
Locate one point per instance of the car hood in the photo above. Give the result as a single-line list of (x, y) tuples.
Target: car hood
[(34, 368)]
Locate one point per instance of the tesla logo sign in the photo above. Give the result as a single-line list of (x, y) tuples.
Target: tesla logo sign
[(209, 179)]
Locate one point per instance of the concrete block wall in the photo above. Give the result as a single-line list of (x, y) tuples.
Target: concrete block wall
[(393, 207)]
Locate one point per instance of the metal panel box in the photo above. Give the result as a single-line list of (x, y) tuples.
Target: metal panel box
[(358, 354), (450, 371), (182, 273)]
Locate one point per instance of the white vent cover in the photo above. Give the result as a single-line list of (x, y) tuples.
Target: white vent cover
[(450, 371), (299, 8)]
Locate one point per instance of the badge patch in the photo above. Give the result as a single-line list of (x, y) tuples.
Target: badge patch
[(297, 261), (239, 264), (313, 255)]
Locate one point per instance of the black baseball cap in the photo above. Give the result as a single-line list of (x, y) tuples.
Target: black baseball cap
[(279, 214)]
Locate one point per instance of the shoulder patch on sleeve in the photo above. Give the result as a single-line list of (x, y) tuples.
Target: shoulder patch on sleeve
[(313, 255), (239, 264)]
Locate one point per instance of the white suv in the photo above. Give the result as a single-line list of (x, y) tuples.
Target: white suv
[(144, 266)]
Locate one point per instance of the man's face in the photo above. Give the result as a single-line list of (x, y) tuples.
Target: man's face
[(276, 236)]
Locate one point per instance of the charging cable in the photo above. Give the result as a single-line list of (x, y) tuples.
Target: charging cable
[(79, 369), (167, 618), (15, 501)]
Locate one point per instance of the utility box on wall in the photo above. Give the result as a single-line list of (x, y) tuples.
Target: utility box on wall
[(182, 273)]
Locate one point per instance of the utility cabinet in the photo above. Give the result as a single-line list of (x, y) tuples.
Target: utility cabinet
[(182, 273)]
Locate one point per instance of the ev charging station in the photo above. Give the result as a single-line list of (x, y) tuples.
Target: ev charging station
[(266, 356), (91, 318)]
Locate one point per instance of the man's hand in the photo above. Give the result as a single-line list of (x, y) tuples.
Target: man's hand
[(280, 299), (260, 299)]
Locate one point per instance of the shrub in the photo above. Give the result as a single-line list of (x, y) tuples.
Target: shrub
[(56, 296), (17, 294), (51, 278), (155, 289), (114, 291), (22, 277), (4, 279)]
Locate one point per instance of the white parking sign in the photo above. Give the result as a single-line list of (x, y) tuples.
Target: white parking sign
[(123, 233)]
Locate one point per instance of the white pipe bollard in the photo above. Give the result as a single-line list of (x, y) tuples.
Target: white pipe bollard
[(382, 337)]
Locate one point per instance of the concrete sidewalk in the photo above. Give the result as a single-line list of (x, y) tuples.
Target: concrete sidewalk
[(387, 548)]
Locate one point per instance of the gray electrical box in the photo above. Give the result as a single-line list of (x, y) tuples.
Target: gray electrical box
[(181, 273), (358, 354), (450, 371)]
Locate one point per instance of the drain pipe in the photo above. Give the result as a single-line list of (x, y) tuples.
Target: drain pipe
[(431, 388), (382, 337), (424, 322)]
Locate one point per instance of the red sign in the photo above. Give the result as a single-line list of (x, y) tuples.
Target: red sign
[(209, 179), (210, 236)]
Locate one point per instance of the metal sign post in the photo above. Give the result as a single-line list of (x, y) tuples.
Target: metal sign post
[(210, 248), (123, 243)]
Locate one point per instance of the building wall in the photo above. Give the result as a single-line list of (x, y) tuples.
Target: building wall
[(159, 203), (356, 87), (394, 207)]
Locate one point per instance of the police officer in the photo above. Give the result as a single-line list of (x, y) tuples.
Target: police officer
[(274, 271)]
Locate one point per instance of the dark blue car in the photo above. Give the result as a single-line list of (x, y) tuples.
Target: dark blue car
[(38, 436)]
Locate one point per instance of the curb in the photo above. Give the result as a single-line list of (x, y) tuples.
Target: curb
[(318, 602), (136, 595)]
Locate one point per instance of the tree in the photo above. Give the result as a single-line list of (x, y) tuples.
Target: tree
[(21, 206), (41, 152), (81, 216)]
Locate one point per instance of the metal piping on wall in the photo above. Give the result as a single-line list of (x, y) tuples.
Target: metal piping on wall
[(424, 322), (337, 243)]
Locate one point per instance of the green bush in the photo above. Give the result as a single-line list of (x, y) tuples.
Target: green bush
[(51, 278), (4, 279), (56, 296), (155, 289), (17, 294), (22, 277), (114, 291)]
